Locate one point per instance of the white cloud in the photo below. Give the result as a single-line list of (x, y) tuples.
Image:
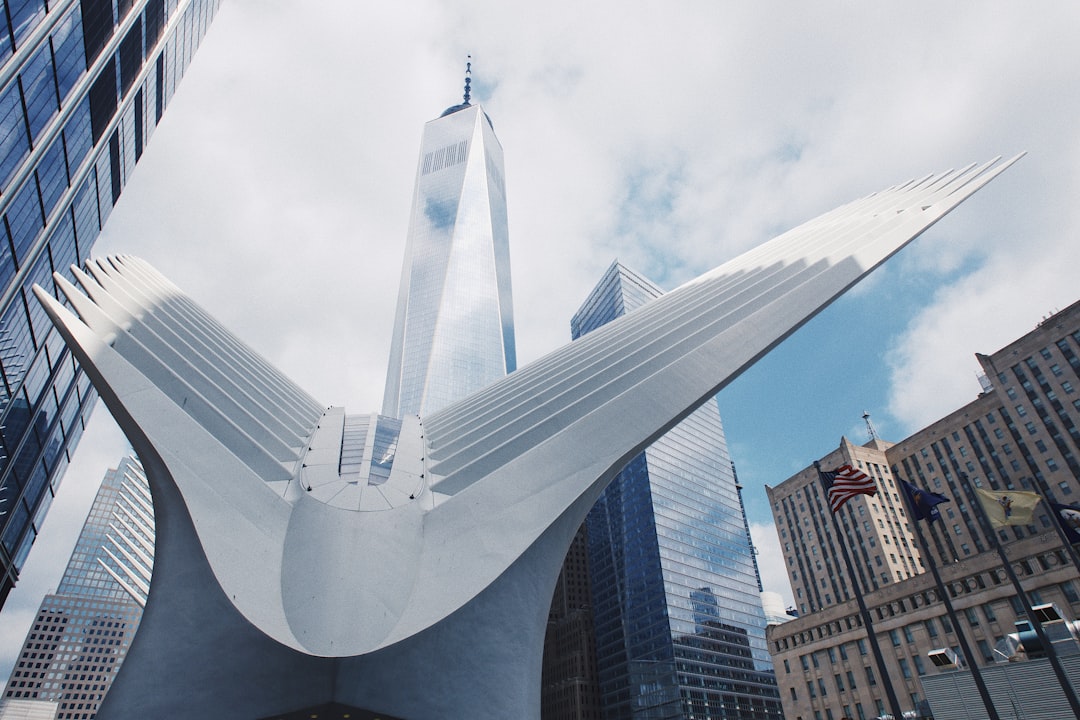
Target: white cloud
[(771, 563), (933, 369)]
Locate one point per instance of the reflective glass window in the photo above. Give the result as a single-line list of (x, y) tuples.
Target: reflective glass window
[(36, 378), (16, 344), (103, 99), (123, 8), (36, 484), (68, 53), (5, 38), (86, 216), (19, 518), (43, 508), (10, 490), (25, 16), (62, 246), (27, 454), (14, 143), (70, 413), (7, 263), (24, 219), (138, 107), (155, 21), (52, 176), (131, 56), (16, 422), (50, 413), (40, 274), (98, 21), (77, 136), (39, 90)]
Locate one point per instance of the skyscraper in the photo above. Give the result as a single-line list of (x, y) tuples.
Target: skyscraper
[(82, 632), (679, 624), (83, 85), (454, 324)]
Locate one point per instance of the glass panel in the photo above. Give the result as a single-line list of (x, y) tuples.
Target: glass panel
[(103, 99), (14, 143), (62, 246), (25, 16), (36, 378), (25, 220), (131, 56), (40, 274), (99, 22), (87, 226), (16, 344), (69, 52), (77, 136), (20, 518), (5, 37), (52, 176), (39, 90)]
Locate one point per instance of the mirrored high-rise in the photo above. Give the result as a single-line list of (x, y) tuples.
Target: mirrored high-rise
[(454, 327), (680, 632), (83, 85), (82, 632)]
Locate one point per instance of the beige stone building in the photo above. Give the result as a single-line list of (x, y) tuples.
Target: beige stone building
[(1022, 432), (875, 530), (824, 666)]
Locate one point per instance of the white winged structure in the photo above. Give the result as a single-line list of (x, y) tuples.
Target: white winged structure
[(284, 585)]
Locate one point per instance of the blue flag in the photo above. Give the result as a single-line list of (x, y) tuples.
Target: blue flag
[(923, 502), (1069, 517)]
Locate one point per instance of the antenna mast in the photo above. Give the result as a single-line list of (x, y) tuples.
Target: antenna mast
[(468, 78), (869, 425)]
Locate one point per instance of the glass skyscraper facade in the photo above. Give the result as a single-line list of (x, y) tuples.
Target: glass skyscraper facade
[(680, 631), (83, 85), (82, 632), (454, 324)]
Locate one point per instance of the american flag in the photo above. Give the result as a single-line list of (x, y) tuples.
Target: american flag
[(844, 483)]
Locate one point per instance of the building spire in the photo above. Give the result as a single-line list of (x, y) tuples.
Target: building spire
[(468, 77)]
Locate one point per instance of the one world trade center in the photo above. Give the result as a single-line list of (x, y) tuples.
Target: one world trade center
[(454, 327)]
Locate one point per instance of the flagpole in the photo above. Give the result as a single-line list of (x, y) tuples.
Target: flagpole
[(976, 675), (1051, 654), (868, 624)]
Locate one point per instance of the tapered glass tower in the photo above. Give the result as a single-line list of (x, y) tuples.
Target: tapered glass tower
[(82, 632), (83, 84), (454, 327), (675, 587)]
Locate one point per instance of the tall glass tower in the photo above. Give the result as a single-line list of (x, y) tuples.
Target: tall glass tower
[(83, 85), (680, 632), (82, 632), (454, 325)]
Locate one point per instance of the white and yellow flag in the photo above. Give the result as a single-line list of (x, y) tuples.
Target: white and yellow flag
[(1008, 507)]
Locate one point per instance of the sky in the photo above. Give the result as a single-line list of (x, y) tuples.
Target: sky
[(672, 136)]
